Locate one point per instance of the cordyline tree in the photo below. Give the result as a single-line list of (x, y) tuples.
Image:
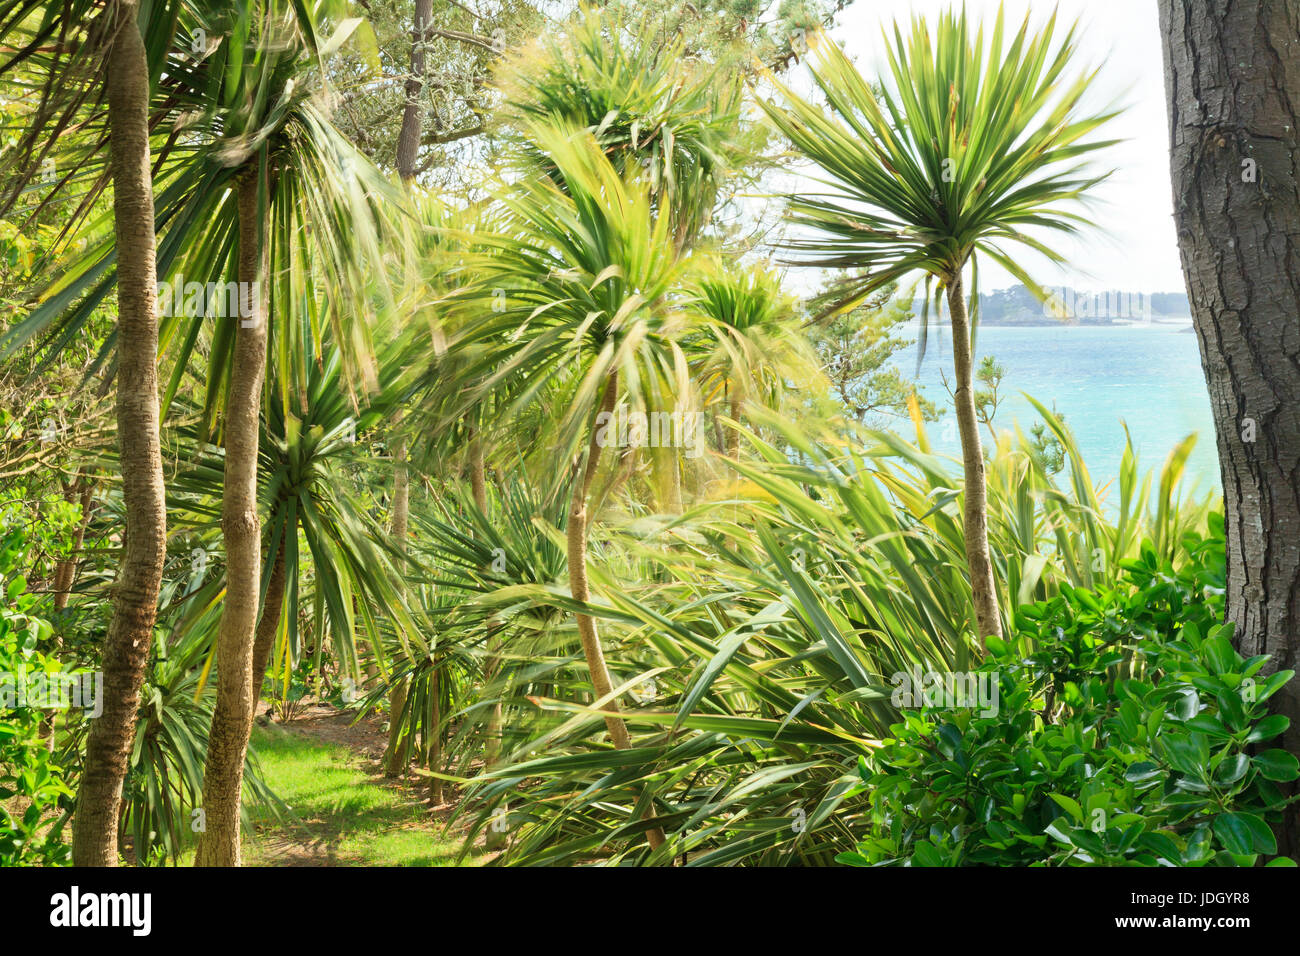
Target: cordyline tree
[(277, 199), (92, 66), (750, 348), (1232, 75), (966, 144), (674, 124), (255, 190), (574, 292)]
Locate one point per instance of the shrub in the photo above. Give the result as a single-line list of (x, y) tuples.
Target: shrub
[(1128, 731), (33, 792)]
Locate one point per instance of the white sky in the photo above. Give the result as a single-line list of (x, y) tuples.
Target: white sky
[(1135, 248)]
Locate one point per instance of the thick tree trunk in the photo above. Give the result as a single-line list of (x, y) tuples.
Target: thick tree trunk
[(580, 588), (976, 524), (408, 138), (1232, 77), (135, 602), (241, 531)]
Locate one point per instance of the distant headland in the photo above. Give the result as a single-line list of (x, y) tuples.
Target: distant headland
[(1019, 306)]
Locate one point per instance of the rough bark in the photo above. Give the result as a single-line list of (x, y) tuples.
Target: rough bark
[(241, 532), (975, 517), (135, 601), (1232, 79), (580, 588), (408, 137)]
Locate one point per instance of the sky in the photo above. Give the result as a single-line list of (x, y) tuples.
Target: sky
[(1135, 247)]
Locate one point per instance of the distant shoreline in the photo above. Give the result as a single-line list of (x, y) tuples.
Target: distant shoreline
[(1018, 307), (1181, 323)]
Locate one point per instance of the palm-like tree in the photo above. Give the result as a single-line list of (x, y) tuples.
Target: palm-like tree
[(749, 348), (585, 280), (309, 463), (254, 186), (73, 52), (673, 122), (301, 211), (965, 146)]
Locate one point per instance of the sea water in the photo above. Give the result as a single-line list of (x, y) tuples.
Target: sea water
[(1147, 376)]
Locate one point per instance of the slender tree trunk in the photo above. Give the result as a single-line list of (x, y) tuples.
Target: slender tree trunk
[(733, 434), (980, 562), (1232, 77), (144, 547), (408, 138), (579, 587), (241, 531), (66, 572), (435, 734), (408, 149), (395, 756), (397, 752), (477, 472), (478, 486), (269, 624)]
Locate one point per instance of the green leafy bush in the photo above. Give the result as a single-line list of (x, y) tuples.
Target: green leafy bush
[(1128, 731), (33, 792)]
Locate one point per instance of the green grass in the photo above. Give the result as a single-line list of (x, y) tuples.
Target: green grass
[(344, 815)]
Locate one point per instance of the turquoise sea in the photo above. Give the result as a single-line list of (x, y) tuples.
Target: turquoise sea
[(1148, 376)]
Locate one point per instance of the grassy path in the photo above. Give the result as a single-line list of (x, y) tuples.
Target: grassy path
[(347, 813)]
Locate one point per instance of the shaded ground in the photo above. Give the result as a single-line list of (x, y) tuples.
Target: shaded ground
[(348, 814)]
